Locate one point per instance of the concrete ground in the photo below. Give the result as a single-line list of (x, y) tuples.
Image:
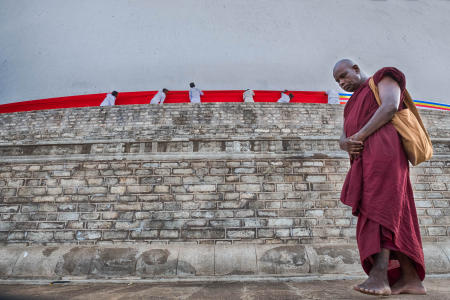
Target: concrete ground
[(438, 288)]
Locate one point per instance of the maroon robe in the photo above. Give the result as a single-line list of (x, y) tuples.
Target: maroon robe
[(377, 186)]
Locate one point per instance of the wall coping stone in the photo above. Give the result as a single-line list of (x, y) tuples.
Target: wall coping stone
[(189, 261)]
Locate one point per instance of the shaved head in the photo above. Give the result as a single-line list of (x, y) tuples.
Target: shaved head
[(348, 75), (344, 62)]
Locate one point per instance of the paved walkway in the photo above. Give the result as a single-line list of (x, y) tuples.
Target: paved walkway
[(438, 288)]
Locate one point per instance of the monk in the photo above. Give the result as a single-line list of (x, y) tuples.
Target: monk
[(377, 186)]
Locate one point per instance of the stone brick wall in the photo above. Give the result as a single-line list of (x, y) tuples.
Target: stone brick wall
[(207, 174)]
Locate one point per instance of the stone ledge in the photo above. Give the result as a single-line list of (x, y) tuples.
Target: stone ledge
[(191, 261)]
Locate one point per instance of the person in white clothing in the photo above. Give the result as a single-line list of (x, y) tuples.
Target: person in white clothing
[(333, 96), (194, 93), (159, 97), (248, 95), (110, 99), (285, 98)]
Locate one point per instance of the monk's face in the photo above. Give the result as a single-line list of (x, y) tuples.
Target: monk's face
[(348, 77)]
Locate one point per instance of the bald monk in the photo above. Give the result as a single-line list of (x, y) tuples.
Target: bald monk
[(377, 186)]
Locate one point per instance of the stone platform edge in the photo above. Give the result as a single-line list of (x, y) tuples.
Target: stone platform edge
[(165, 261)]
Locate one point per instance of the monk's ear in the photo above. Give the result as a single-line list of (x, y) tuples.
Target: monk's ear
[(356, 68)]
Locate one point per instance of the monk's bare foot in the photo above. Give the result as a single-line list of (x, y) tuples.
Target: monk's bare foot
[(414, 287), (376, 284)]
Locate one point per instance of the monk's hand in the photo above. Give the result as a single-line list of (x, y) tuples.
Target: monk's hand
[(352, 146)]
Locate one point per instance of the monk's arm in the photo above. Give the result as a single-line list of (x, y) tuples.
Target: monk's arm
[(390, 93)]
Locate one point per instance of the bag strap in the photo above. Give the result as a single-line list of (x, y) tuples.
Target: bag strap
[(407, 100)]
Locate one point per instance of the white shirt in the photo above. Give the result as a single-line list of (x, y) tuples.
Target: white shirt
[(158, 98), (284, 98), (109, 100), (248, 96), (194, 95), (333, 97)]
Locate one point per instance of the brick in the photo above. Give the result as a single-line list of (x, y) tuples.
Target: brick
[(99, 225), (110, 215), (74, 225), (314, 213), (232, 178), (54, 191), (241, 234), (219, 171), (43, 199), (129, 206), (61, 173), (161, 189), (162, 215), (182, 171), (31, 191), (92, 190), (128, 180), (223, 214), (201, 188), (297, 204), (282, 232), (267, 213), (244, 213), (89, 216), (271, 196), (342, 222), (268, 187), (118, 190), (144, 234), (434, 212), (15, 182), (19, 218), (441, 203), (172, 206), (14, 236), (302, 232), (325, 187), (255, 223), (209, 197), (39, 236), (203, 214), (267, 233), (203, 233), (148, 198), (68, 216), (282, 187), (85, 207), (53, 225), (172, 180), (248, 187), (152, 180), (169, 234), (225, 223), (47, 207), (244, 170), (152, 206), (9, 209), (142, 215), (437, 230), (280, 222), (273, 205), (73, 182), (88, 235), (64, 235), (139, 189)]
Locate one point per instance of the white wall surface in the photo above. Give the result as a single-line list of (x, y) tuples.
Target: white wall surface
[(51, 48)]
